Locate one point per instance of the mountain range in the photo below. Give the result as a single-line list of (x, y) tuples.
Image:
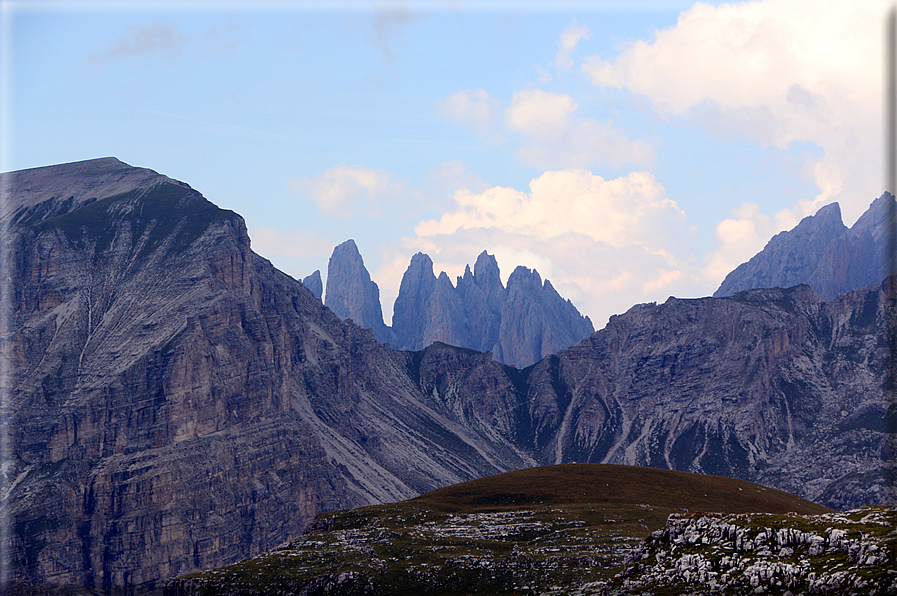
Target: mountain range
[(175, 403), (519, 324)]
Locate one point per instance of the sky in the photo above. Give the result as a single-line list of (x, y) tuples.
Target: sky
[(628, 151)]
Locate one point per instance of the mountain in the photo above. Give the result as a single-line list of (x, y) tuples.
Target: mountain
[(314, 284), (350, 292), (554, 529), (175, 402), (520, 324), (772, 386), (821, 252)]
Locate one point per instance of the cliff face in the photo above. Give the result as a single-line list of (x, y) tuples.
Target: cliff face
[(314, 284), (520, 324), (821, 252), (176, 403)]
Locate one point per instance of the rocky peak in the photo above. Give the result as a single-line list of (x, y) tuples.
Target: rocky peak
[(409, 310), (481, 314), (487, 274), (878, 218), (822, 252), (176, 403), (789, 258), (39, 194), (351, 294), (314, 284), (536, 320), (524, 279)]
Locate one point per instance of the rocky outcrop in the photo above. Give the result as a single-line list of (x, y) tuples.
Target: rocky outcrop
[(350, 292), (314, 284), (175, 403), (821, 252), (834, 553), (520, 324)]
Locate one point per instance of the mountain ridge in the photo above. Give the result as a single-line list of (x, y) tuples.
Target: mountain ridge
[(822, 253), (519, 324)]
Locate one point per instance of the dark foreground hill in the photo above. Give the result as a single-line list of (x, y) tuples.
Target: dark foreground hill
[(575, 529), (174, 403)]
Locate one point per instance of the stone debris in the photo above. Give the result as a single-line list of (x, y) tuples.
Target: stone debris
[(837, 553)]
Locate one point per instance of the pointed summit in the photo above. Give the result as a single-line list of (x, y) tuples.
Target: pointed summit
[(314, 284), (789, 258), (350, 292), (519, 325)]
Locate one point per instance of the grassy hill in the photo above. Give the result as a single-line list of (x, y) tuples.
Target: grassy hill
[(581, 485), (534, 531)]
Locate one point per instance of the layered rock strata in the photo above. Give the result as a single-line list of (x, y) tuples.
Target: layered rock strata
[(773, 386), (174, 403)]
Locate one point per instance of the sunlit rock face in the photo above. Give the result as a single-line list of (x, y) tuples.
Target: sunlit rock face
[(821, 252), (177, 403), (520, 324)]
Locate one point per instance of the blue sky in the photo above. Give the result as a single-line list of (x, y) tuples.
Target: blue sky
[(627, 151)]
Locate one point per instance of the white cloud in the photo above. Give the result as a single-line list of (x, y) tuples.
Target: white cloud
[(353, 190), (629, 210), (567, 45), (472, 107), (774, 72), (552, 137), (539, 113), (442, 181), (604, 244)]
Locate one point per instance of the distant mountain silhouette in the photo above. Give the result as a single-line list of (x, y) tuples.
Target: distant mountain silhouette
[(520, 324)]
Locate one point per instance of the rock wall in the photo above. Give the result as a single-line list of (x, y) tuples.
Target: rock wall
[(176, 403), (350, 292)]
